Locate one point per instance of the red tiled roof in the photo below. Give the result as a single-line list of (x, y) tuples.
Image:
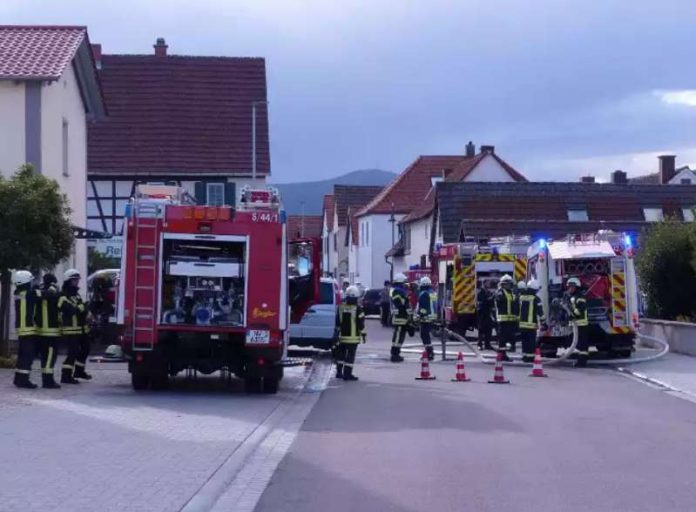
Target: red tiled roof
[(38, 52), (352, 197), (174, 115), (411, 186), (328, 210), (459, 173), (307, 226)]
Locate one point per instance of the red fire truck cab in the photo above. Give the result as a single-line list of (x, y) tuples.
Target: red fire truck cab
[(210, 288)]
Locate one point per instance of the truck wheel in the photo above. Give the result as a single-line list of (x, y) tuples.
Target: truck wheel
[(140, 382), (252, 384), (270, 385)]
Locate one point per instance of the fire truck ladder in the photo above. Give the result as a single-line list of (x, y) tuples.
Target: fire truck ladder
[(146, 225)]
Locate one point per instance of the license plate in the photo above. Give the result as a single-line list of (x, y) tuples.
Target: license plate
[(257, 337)]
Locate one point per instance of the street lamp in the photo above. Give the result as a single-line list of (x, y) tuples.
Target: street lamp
[(253, 136)]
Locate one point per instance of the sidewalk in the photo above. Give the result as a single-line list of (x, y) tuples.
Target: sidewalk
[(676, 371)]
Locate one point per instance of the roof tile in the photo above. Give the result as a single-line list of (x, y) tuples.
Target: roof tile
[(304, 226), (352, 197)]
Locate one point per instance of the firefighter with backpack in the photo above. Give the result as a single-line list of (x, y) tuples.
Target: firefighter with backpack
[(531, 318), (350, 322), (427, 313), (75, 330)]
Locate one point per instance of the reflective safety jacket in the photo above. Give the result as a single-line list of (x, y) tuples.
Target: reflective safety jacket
[(350, 321), (26, 300), (507, 306), (578, 307), (47, 315), (400, 304), (73, 313), (427, 305), (531, 311)]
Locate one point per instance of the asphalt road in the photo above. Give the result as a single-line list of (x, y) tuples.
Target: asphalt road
[(580, 440)]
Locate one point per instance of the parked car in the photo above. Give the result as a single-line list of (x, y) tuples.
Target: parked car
[(318, 325), (371, 301)]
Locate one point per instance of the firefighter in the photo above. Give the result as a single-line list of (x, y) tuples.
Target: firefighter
[(506, 312), (350, 321), (577, 304), (427, 313), (484, 318), (400, 316), (531, 316), (73, 313), (26, 299), (48, 329), (384, 303)]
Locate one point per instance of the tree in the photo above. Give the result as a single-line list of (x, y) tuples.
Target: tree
[(667, 270), (35, 231)]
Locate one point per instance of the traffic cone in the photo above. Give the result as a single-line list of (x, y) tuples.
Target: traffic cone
[(425, 368), (498, 377), (460, 376), (538, 368)]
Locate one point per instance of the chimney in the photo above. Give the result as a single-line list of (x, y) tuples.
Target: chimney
[(587, 179), (161, 47), (470, 150), (488, 149), (619, 178), (667, 168), (97, 56)]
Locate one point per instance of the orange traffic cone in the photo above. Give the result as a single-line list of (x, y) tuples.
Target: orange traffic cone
[(538, 368), (498, 377), (425, 368), (460, 376)]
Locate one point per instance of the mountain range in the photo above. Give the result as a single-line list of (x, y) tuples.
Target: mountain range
[(311, 193)]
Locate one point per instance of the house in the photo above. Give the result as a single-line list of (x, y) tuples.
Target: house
[(552, 210), (403, 210), (329, 240), (668, 174), (345, 198), (49, 93), (304, 226), (180, 119)]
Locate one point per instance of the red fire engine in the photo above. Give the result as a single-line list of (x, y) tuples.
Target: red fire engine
[(210, 288)]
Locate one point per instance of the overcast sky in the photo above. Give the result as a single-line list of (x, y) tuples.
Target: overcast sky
[(562, 88)]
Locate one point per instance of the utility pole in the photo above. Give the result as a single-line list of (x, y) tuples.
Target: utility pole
[(392, 221), (253, 136), (302, 221)]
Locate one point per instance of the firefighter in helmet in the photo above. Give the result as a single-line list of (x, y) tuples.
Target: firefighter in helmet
[(26, 299), (427, 313), (400, 316), (507, 315), (577, 305), (484, 318), (48, 328), (350, 321), (531, 316), (74, 314)]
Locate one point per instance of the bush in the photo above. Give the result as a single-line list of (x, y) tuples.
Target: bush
[(666, 266)]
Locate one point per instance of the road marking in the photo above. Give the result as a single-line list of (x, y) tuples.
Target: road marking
[(657, 384), (237, 485)]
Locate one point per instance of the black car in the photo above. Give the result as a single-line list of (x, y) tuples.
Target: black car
[(371, 302)]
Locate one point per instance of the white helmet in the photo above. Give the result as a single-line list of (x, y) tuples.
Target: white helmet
[(521, 285), (506, 279), (71, 274), (574, 281), (353, 291), (399, 278), (114, 351), (23, 277), (533, 284), (425, 281)]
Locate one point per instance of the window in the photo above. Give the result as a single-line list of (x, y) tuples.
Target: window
[(407, 237), (216, 194), (326, 293), (335, 240), (367, 234), (688, 214), (577, 215), (653, 214), (66, 160), (686, 181)]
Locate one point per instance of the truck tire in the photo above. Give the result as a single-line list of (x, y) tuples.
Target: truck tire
[(140, 381), (252, 384), (270, 385)]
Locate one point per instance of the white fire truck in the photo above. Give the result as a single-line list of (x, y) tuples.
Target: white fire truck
[(603, 262), (210, 288)]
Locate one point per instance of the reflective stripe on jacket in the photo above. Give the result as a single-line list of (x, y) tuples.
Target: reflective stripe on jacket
[(427, 305), (578, 306), (25, 307), (47, 315), (350, 321), (400, 305), (531, 311), (73, 313), (506, 306)]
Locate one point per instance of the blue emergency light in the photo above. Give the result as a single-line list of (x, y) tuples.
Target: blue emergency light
[(627, 241), (542, 243)]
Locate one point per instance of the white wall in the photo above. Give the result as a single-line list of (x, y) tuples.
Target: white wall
[(341, 261), (373, 268), (488, 169), (62, 100), (12, 142), (420, 242)]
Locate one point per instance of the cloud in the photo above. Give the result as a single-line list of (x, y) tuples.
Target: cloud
[(685, 97)]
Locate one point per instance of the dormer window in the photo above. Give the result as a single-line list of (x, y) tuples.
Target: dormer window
[(653, 214), (578, 215)]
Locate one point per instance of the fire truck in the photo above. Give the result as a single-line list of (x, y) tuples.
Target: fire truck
[(210, 288), (463, 267), (603, 262)]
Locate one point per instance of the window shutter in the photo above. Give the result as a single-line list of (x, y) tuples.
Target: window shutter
[(201, 192), (231, 194)]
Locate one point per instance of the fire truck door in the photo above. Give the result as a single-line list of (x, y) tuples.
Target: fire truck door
[(304, 269)]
